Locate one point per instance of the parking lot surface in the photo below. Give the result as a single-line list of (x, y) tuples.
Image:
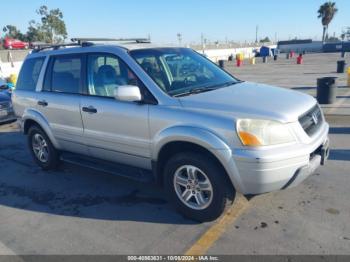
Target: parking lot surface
[(287, 73), (79, 211)]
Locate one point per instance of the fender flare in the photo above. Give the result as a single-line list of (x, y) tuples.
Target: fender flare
[(195, 135), (39, 119), (204, 138)]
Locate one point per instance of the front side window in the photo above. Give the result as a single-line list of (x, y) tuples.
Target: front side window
[(106, 73), (181, 71), (66, 74), (29, 74)]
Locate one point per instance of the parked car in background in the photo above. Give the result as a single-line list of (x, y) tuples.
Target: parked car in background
[(6, 89), (10, 43), (6, 109), (37, 44), (171, 115)]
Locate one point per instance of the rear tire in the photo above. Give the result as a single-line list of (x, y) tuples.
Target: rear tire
[(208, 191), (43, 152)]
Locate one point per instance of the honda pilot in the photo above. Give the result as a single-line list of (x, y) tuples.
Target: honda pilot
[(169, 115)]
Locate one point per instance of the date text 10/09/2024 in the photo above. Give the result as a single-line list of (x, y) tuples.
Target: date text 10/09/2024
[(172, 258)]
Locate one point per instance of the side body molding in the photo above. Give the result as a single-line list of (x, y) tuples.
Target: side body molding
[(33, 115)]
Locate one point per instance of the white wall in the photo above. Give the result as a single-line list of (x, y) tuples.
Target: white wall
[(222, 54), (6, 69)]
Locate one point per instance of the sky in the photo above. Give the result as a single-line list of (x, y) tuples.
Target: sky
[(217, 20)]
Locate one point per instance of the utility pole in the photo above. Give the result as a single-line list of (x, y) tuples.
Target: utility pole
[(179, 38), (256, 33), (202, 42)]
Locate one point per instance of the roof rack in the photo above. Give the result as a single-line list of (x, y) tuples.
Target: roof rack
[(88, 42), (81, 41), (38, 48)]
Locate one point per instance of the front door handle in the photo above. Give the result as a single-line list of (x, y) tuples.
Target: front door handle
[(42, 103), (90, 109)]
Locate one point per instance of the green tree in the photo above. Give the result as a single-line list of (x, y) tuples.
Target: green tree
[(265, 40), (12, 32), (36, 33), (345, 34), (326, 13), (52, 24), (333, 39)]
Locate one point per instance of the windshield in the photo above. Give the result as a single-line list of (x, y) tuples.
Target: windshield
[(181, 71)]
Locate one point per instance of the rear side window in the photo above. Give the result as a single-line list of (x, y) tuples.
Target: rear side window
[(64, 75), (29, 74)]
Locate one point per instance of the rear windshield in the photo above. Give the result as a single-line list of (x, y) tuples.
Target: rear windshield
[(30, 71)]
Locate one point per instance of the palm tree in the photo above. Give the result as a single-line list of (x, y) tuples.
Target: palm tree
[(326, 12)]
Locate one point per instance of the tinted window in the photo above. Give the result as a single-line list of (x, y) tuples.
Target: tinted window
[(106, 73), (29, 74), (66, 74)]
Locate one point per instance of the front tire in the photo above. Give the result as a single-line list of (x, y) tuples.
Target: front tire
[(43, 152), (197, 186)]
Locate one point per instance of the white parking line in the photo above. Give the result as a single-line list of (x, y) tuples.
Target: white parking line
[(4, 250)]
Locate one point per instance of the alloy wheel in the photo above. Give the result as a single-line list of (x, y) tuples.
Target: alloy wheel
[(40, 148), (193, 187)]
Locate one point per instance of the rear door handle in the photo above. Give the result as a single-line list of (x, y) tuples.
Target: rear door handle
[(42, 103), (90, 109)]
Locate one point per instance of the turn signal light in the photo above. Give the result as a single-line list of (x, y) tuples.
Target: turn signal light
[(249, 139)]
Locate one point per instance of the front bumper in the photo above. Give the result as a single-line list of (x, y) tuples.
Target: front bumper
[(261, 171), (7, 115)]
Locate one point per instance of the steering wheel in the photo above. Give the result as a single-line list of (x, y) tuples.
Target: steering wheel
[(192, 67), (187, 78)]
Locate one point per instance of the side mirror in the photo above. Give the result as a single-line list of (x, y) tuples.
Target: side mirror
[(128, 93)]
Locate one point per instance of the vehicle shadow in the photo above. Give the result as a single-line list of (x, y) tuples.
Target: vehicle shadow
[(75, 191), (7, 122), (339, 154), (321, 73), (339, 130), (304, 88), (343, 96), (314, 87)]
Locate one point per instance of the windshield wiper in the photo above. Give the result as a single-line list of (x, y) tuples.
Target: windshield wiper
[(231, 83), (203, 89), (196, 90)]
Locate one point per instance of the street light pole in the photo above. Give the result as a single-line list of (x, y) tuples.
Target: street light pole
[(202, 42), (179, 38)]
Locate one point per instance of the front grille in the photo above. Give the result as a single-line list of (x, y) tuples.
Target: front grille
[(312, 120)]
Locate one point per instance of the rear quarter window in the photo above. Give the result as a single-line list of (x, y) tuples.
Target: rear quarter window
[(64, 74), (30, 71)]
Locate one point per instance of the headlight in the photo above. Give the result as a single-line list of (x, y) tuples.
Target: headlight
[(256, 132)]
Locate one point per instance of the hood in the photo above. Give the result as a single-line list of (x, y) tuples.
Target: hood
[(252, 100)]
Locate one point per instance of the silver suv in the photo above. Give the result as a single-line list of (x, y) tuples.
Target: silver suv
[(170, 115)]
